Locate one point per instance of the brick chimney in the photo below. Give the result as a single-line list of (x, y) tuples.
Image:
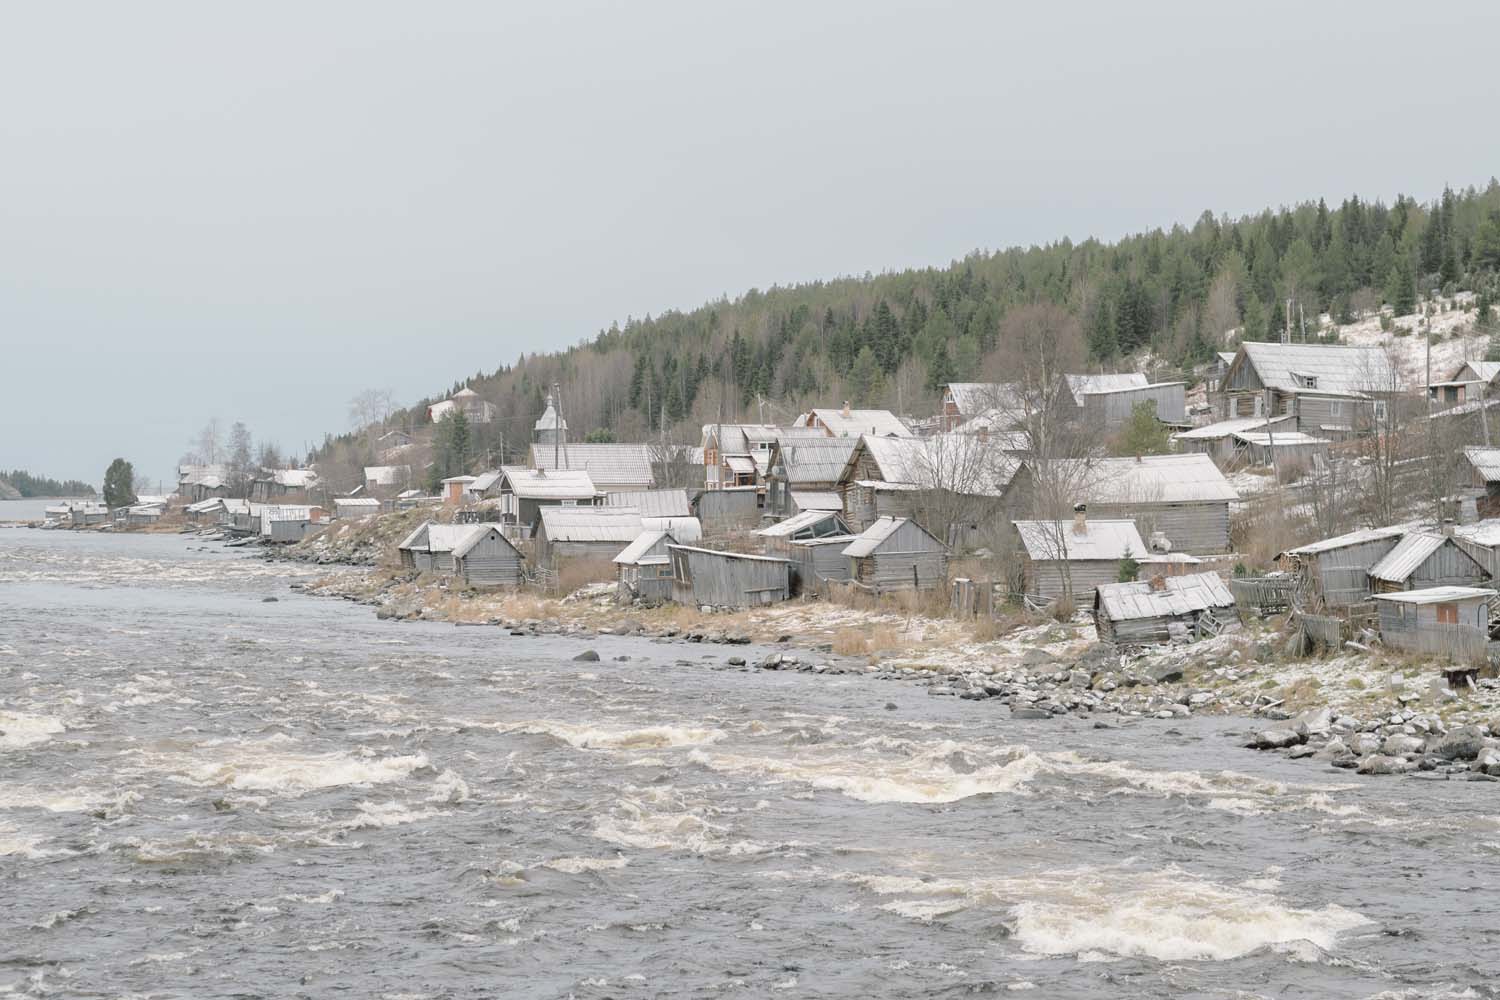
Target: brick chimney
[(846, 409), (1080, 519)]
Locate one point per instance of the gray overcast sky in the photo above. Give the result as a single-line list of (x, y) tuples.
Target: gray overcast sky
[(254, 212)]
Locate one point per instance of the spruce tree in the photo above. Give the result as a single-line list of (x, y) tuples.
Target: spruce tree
[(119, 484)]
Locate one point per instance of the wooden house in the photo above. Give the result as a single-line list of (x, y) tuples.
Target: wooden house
[(384, 480), (1449, 623), (287, 523), (740, 454), (802, 473), (964, 402), (1335, 572), (143, 515), (467, 402), (430, 547), (852, 423), (1217, 440), (958, 474), (484, 557), (1176, 608), (645, 568), (709, 578), (523, 493), (1106, 402), (355, 508), (815, 561), (733, 508), (1470, 381), (282, 485), (585, 534), (1329, 389), (1484, 474), (1084, 554), (897, 553), (1422, 560), (456, 490)]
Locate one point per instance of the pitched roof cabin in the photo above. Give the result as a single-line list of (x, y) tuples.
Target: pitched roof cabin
[(1061, 557), (584, 533), (897, 553), (1422, 560), (1448, 623), (467, 402), (478, 553), (1329, 389), (1108, 401), (645, 568), (740, 454), (804, 465), (613, 468), (709, 578), (966, 401), (889, 477), (524, 492), (1472, 380), (1335, 572)]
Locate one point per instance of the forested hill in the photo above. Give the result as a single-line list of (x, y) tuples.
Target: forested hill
[(891, 339), (27, 485)]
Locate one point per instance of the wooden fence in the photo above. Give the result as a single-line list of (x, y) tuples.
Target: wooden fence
[(1263, 595)]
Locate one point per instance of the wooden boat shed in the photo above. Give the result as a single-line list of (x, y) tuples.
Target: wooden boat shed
[(709, 578), (584, 533), (1335, 572), (645, 568), (1177, 608), (897, 553), (484, 557)]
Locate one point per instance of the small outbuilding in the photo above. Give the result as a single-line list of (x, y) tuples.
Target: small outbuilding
[(645, 568), (1088, 551), (729, 509), (777, 537), (816, 561), (709, 578), (1167, 609), (1335, 572), (897, 553), (1447, 622), (584, 533), (484, 557), (1422, 560), (430, 548), (354, 508)]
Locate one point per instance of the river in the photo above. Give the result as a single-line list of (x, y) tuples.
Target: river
[(203, 794)]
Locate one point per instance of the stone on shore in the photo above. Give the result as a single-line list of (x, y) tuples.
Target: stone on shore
[(587, 656), (1463, 743), (1276, 739), (1383, 764)]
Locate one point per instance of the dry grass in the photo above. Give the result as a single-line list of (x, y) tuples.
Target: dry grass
[(575, 573), (850, 642)]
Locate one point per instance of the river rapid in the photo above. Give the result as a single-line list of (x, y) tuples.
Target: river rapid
[(203, 794)]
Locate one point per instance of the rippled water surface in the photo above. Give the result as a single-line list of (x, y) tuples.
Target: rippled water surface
[(205, 795)]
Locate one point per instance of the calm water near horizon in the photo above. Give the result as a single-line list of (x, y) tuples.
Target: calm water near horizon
[(206, 795)]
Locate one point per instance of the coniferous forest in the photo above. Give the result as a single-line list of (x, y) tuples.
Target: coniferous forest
[(1171, 295)]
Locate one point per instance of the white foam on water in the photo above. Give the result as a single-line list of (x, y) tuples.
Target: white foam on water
[(1227, 791), (591, 737), (577, 866), (449, 787), (323, 897), (14, 842), (916, 774), (265, 767), (378, 815), (52, 800), (658, 818), (18, 729), (1168, 915)]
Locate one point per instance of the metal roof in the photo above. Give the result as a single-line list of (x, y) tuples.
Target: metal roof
[(1435, 595), (1181, 595), (1224, 428), (958, 463), (386, 475), (484, 481), (356, 502), (1399, 563), (653, 503), (796, 523), (295, 478), (825, 540), (869, 540), (1085, 385), (1336, 369), (740, 464), (815, 460), (550, 419), (853, 423), (1484, 371), (541, 484), (1277, 439), (817, 500), (727, 555), (636, 551), (448, 537), (1155, 479), (591, 524), (476, 534), (974, 398), (1485, 533), (684, 529), (1343, 541), (1054, 540), (1486, 462), (607, 464)]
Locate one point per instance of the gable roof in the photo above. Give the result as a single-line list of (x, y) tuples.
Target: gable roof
[(1100, 540), (1359, 537), (853, 423), (1483, 370), (635, 552), (1339, 370), (813, 459), (591, 524), (974, 398), (958, 463), (292, 478), (1181, 595), (868, 541), (800, 522), (607, 464), (653, 503), (477, 533), (539, 484), (1400, 563), (1486, 462), (1189, 478), (1084, 385)]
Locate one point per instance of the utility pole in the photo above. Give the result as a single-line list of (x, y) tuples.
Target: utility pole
[(557, 420)]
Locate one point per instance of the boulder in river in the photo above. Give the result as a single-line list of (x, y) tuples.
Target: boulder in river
[(587, 656), (1377, 763), (1276, 739), (1463, 743)]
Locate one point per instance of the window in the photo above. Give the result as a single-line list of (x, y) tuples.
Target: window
[(1336, 408), (1379, 408), (1447, 614)]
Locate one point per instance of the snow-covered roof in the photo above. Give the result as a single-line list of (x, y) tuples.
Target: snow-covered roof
[(1149, 479), (1486, 462), (1436, 595), (466, 480), (1277, 439), (635, 552), (1334, 369), (653, 503), (816, 459), (800, 522), (591, 524), (1180, 595), (958, 463), (726, 555), (853, 423), (817, 500), (974, 398), (292, 478), (685, 529), (386, 475), (1347, 539), (1053, 540), (1085, 385), (1483, 371), (366, 502), (541, 484), (1235, 425), (867, 541), (608, 465)]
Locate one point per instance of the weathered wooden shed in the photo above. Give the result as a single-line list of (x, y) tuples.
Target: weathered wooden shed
[(809, 524), (1090, 550), (584, 533), (484, 557), (897, 553), (1335, 572), (729, 509), (645, 568), (287, 523), (525, 492), (1287, 451), (430, 547), (1217, 441), (806, 467), (1183, 497), (710, 578), (1142, 613), (1109, 409), (354, 508), (815, 561), (1422, 560), (1450, 623)]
